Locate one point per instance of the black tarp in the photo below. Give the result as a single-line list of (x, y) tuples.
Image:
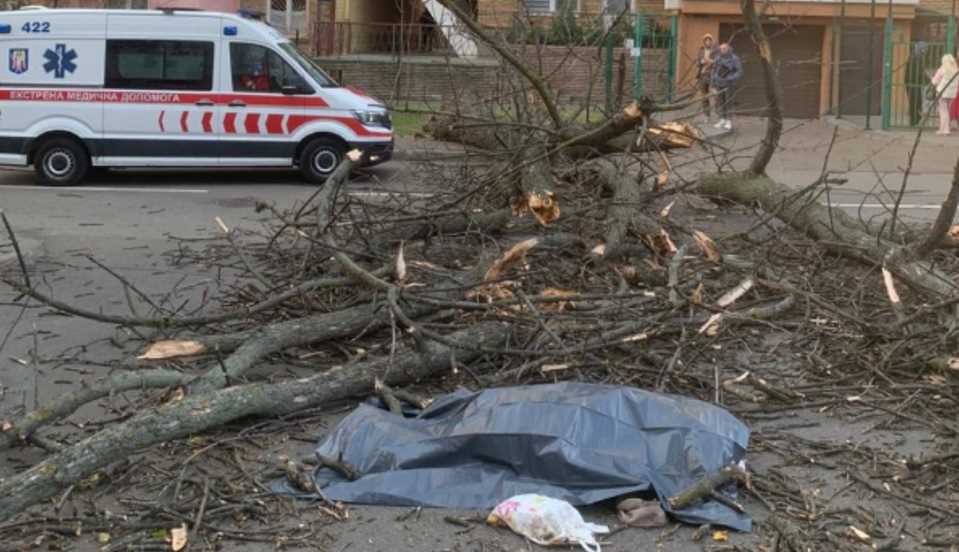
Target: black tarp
[(577, 442)]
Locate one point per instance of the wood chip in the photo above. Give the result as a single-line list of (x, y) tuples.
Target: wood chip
[(734, 294), (859, 534), (178, 538), (162, 350), (707, 246), (890, 286)]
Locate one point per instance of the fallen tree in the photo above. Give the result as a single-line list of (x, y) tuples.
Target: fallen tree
[(557, 258)]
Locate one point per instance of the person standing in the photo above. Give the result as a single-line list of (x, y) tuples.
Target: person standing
[(946, 81), (704, 67), (727, 70)]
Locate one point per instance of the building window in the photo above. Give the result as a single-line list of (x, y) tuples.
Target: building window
[(289, 16), (127, 4), (548, 7), (159, 65)]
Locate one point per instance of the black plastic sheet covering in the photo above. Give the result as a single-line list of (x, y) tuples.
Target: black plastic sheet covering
[(577, 442)]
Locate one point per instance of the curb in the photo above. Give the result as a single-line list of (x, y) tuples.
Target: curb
[(29, 248)]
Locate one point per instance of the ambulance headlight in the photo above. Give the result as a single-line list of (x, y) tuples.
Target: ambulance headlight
[(374, 118)]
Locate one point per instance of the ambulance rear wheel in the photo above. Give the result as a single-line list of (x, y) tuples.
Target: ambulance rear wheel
[(320, 158), (61, 162)]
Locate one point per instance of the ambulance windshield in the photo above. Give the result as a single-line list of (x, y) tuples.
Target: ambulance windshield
[(308, 65)]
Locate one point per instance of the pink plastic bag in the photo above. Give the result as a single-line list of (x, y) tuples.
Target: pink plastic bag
[(547, 521)]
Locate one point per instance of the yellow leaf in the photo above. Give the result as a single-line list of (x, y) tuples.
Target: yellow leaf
[(178, 538), (162, 350), (720, 536), (103, 538)]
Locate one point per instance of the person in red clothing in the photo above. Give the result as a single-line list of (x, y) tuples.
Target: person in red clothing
[(954, 111)]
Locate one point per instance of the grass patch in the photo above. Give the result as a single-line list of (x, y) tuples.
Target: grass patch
[(408, 124)]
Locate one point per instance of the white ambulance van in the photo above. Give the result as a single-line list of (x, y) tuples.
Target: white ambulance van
[(171, 88)]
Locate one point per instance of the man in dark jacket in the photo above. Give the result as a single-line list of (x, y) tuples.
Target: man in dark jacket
[(704, 70), (727, 70)]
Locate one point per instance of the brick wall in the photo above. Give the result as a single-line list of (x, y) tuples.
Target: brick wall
[(576, 74)]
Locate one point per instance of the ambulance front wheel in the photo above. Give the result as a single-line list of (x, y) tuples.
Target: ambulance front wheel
[(320, 158), (61, 162)]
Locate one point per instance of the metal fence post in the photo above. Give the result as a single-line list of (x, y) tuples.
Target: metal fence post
[(673, 33), (608, 71), (638, 52), (869, 64), (887, 73), (951, 35)]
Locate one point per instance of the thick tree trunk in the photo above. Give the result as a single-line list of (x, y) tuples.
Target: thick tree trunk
[(197, 413), (836, 230)]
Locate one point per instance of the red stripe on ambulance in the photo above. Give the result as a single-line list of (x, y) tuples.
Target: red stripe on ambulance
[(229, 123), (252, 123), (119, 96), (160, 120), (183, 122), (207, 122), (274, 124)]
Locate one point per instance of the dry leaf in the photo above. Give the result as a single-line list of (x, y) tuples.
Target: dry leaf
[(222, 225), (954, 363), (954, 232), (720, 536), (859, 534), (636, 512), (599, 250), (6, 425), (707, 246), (734, 294), (103, 538), (178, 538), (162, 350), (637, 337)]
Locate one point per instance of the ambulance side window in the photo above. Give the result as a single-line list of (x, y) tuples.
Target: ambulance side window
[(159, 65), (259, 69)]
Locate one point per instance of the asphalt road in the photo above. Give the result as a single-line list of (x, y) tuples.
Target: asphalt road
[(124, 220)]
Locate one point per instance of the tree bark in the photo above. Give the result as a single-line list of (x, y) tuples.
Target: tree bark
[(197, 413)]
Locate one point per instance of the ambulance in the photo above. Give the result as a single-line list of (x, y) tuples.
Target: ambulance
[(83, 89)]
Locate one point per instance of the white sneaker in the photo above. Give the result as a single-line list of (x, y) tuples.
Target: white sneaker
[(727, 124)]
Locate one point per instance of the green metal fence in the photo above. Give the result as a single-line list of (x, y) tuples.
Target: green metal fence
[(908, 65), (652, 58)]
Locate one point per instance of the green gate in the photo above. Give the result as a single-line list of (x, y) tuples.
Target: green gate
[(652, 58), (908, 66)]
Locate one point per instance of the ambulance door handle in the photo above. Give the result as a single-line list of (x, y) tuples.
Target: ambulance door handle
[(205, 103), (237, 103)]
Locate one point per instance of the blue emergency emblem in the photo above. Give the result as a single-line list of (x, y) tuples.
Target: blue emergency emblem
[(19, 60), (60, 61)]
